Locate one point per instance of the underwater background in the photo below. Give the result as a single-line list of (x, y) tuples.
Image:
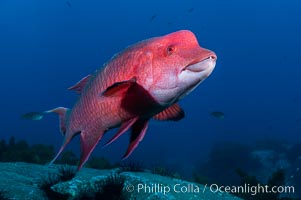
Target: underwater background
[(47, 46)]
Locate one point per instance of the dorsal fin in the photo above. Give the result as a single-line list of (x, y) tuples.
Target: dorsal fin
[(173, 112), (78, 87)]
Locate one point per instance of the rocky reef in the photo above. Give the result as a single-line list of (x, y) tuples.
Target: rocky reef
[(23, 181)]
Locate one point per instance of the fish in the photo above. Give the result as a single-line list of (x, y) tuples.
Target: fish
[(32, 116), (69, 4), (144, 81), (153, 17), (218, 114), (190, 10)]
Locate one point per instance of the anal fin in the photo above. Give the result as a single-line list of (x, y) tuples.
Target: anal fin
[(88, 139)]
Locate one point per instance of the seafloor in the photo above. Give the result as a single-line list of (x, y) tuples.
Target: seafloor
[(23, 181)]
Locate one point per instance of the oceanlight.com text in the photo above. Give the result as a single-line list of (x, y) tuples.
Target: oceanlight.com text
[(250, 189), (214, 188)]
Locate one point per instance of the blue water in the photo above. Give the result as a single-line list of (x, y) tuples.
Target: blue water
[(47, 46)]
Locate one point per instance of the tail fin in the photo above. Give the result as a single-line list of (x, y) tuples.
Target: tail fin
[(63, 113)]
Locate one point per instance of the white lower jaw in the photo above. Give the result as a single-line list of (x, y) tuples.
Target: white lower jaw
[(189, 77), (200, 66), (187, 81)]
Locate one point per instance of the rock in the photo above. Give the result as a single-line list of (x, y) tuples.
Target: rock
[(21, 180)]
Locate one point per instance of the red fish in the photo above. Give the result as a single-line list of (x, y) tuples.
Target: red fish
[(144, 81)]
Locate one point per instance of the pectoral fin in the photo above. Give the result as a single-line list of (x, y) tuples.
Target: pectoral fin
[(119, 88), (138, 101)]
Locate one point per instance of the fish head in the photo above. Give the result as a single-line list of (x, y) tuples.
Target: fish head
[(178, 65)]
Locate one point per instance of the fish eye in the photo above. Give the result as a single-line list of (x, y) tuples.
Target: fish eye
[(170, 49)]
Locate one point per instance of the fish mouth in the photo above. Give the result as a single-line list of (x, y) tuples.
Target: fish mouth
[(200, 65)]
